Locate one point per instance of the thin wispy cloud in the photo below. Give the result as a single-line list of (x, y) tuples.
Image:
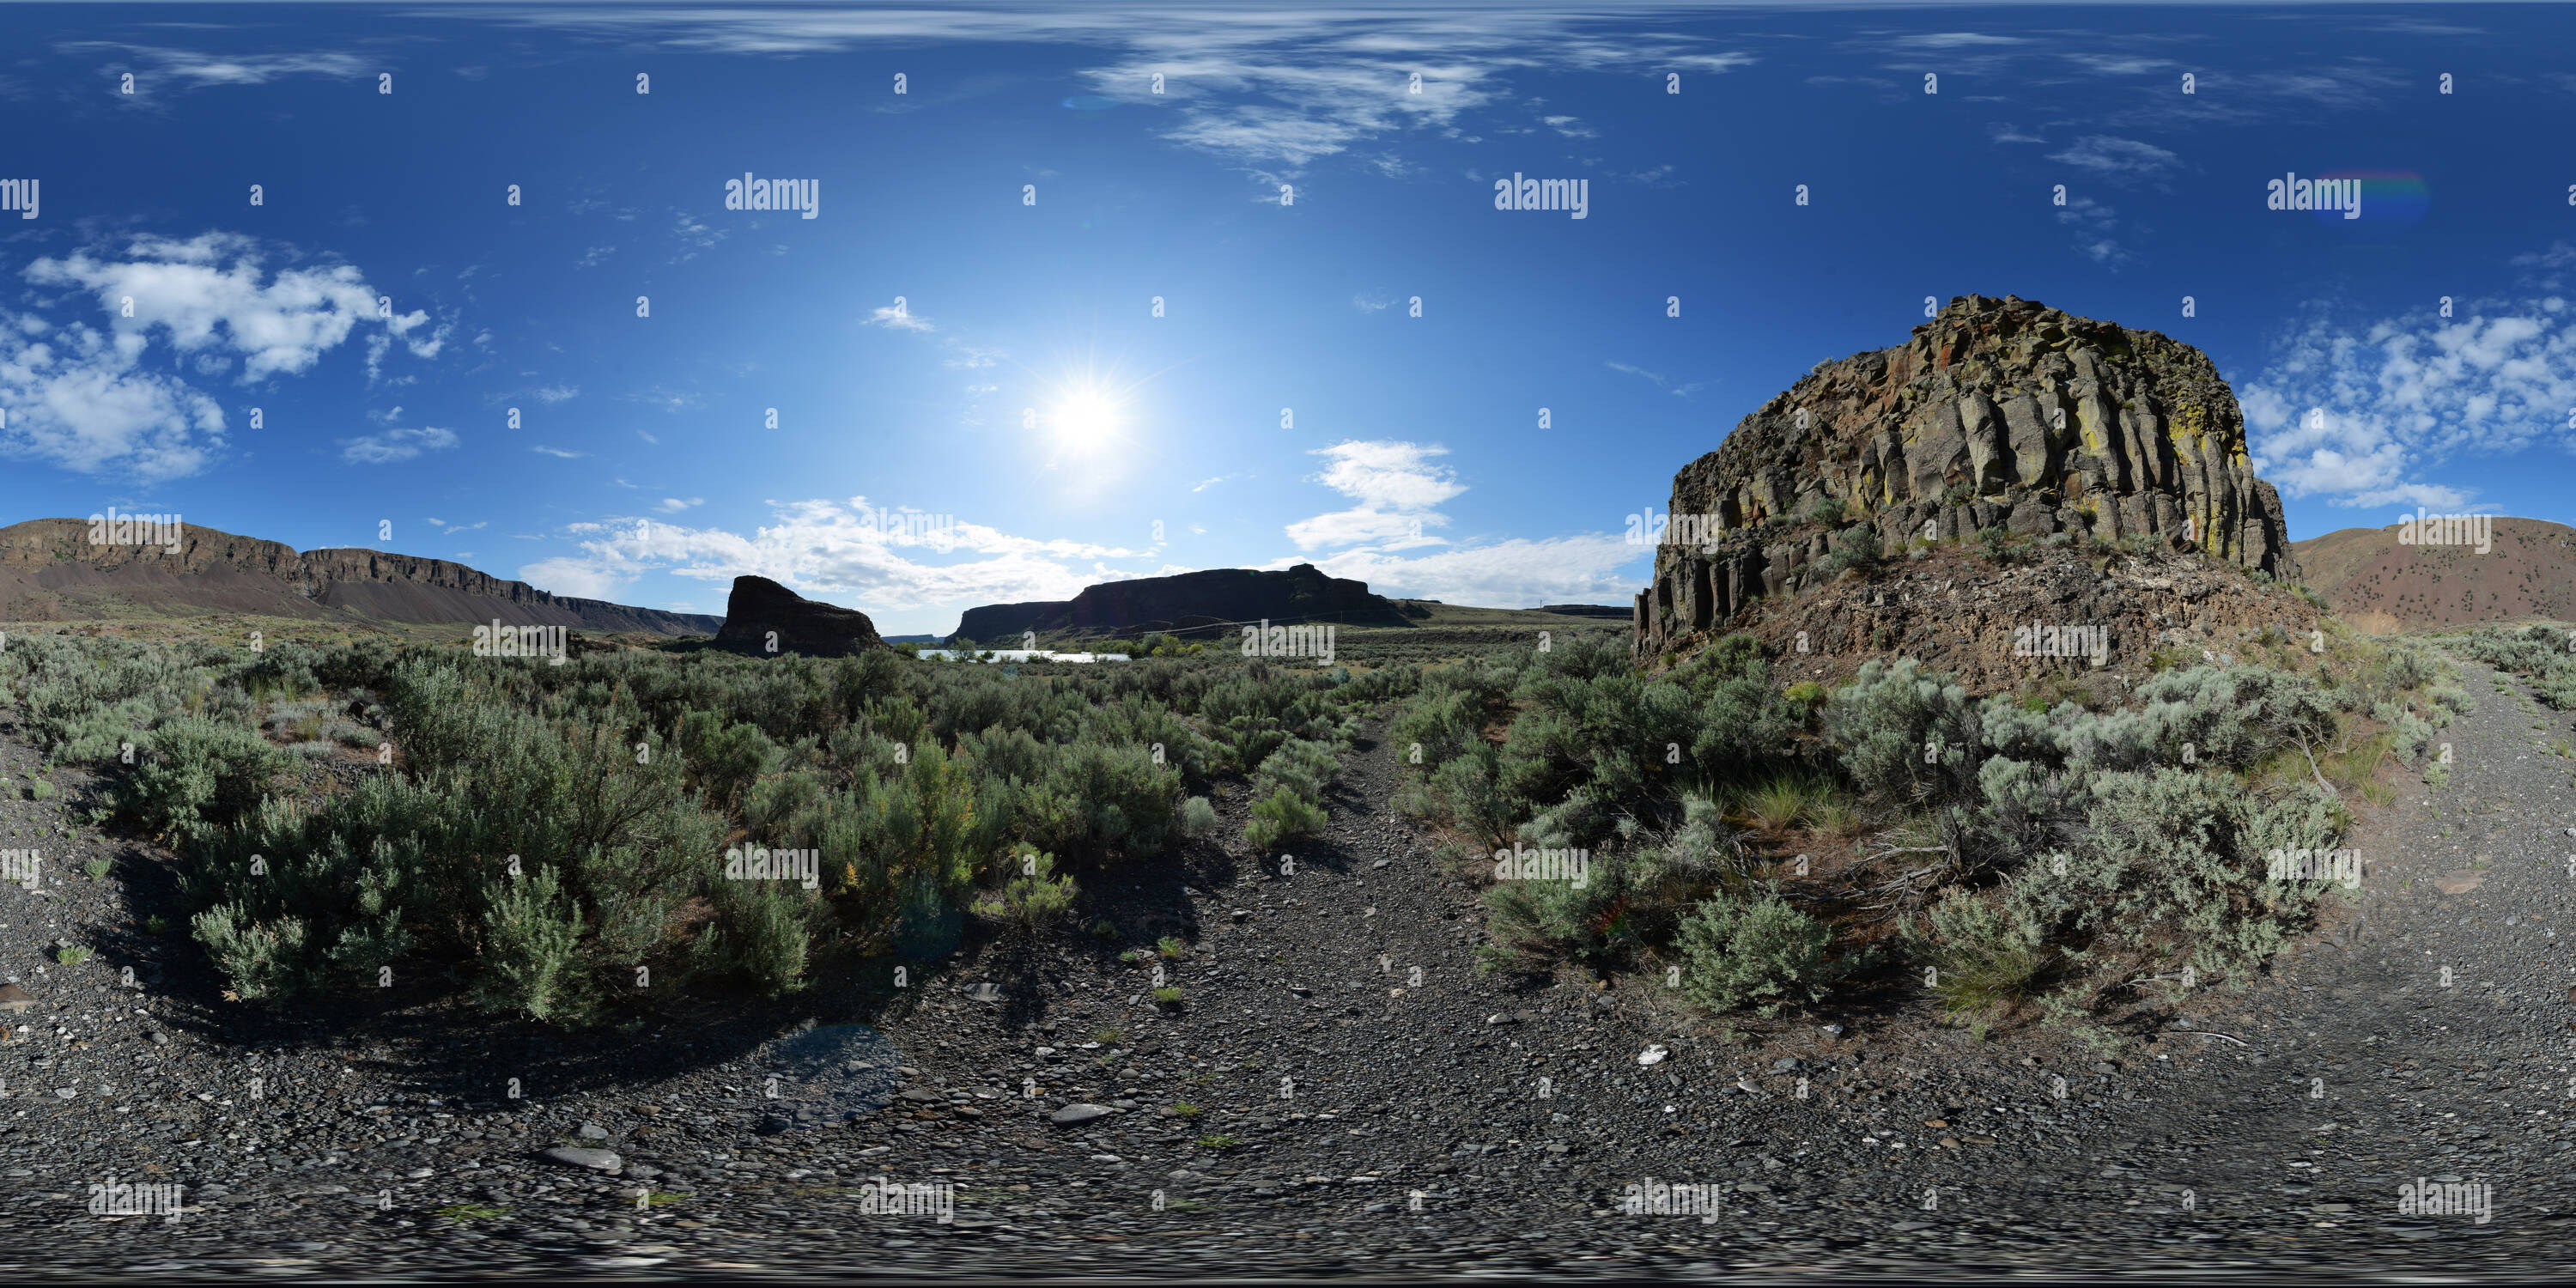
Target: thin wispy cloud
[(395, 445)]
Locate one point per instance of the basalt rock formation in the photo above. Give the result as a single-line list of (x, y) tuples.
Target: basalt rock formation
[(51, 571), (760, 607), (1210, 601), (1996, 414)]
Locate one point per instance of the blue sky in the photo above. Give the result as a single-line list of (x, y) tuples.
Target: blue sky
[(384, 308)]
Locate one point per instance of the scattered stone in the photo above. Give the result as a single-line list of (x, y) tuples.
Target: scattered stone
[(597, 1160), (14, 999), (593, 1131), (1653, 1055), (1075, 1115), (1500, 1018)]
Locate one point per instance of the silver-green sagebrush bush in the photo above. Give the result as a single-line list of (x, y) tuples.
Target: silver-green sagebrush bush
[(2049, 836), (550, 841), (1752, 951)]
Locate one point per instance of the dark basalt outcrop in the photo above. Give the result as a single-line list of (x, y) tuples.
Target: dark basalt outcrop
[(1996, 414), (759, 607), (1210, 601), (50, 571)]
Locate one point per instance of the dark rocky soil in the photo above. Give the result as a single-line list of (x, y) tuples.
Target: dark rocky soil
[(1313, 1107)]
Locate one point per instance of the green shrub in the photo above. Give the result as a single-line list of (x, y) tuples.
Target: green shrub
[(1984, 958), (1280, 819), (1858, 550), (1760, 951), (1904, 736), (1198, 817), (1537, 923), (1034, 895), (530, 961), (1299, 766), (195, 773)]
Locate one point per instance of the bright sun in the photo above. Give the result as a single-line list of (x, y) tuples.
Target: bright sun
[(1085, 421)]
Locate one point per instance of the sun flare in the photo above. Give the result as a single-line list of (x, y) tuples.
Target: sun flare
[(1086, 421)]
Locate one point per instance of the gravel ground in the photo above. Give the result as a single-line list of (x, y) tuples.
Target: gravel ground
[(1312, 1106)]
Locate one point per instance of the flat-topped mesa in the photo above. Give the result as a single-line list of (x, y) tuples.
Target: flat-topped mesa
[(1998, 413)]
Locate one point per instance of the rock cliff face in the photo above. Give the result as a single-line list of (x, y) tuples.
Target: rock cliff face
[(49, 571), (760, 606), (1996, 414), (1217, 598)]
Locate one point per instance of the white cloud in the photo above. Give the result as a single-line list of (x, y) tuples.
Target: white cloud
[(673, 504), (1953, 40), (899, 319), (2093, 222), (837, 551), (1679, 391), (2119, 160), (206, 295), (557, 393), (574, 576), (395, 445), (1585, 568), (197, 70), (96, 398), (2360, 414), (544, 450), (1396, 485), (1389, 473)]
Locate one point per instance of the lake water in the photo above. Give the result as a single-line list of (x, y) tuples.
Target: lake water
[(1028, 655)]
